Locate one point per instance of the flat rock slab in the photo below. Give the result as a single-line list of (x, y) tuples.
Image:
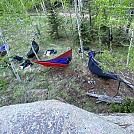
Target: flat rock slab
[(53, 117)]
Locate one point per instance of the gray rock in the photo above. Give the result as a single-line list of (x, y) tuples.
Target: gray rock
[(53, 117), (124, 120)]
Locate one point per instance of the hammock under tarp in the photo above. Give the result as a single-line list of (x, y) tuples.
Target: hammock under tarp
[(96, 69), (62, 60)]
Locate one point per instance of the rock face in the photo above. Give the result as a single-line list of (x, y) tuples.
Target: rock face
[(126, 121), (54, 117)]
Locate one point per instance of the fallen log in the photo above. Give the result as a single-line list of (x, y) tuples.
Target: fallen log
[(106, 98), (126, 82)]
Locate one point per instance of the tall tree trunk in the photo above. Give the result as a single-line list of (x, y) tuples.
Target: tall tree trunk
[(38, 20), (10, 60), (90, 12), (131, 41), (78, 17), (110, 38), (71, 24), (43, 6), (130, 21)]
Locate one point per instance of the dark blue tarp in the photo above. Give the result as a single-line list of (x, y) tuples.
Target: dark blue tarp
[(2, 47), (96, 69)]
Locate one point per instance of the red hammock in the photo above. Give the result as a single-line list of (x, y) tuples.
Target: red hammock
[(50, 63)]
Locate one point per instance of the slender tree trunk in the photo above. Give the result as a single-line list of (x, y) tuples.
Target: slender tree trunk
[(35, 53), (110, 38), (131, 41), (90, 12), (79, 24), (10, 60), (99, 35), (71, 24), (38, 19), (43, 7), (7, 47), (63, 7), (129, 21), (36, 29)]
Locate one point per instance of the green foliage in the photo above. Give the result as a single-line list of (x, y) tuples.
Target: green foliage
[(53, 20), (114, 61), (120, 37), (53, 25), (85, 31), (3, 61), (109, 62), (131, 63), (3, 84), (126, 107), (111, 13), (89, 33)]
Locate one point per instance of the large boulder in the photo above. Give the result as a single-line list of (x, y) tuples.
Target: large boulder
[(124, 120), (53, 117)]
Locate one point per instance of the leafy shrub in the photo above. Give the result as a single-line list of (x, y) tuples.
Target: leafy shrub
[(126, 107)]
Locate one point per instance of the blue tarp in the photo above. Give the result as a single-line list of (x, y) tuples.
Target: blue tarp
[(96, 69), (2, 47)]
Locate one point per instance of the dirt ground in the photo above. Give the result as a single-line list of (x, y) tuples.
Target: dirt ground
[(91, 83)]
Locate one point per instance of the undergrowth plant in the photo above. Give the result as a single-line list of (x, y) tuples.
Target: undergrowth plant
[(3, 84), (131, 63), (126, 107), (112, 61)]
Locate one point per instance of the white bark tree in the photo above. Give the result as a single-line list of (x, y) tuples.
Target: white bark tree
[(130, 46), (7, 47), (78, 6)]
